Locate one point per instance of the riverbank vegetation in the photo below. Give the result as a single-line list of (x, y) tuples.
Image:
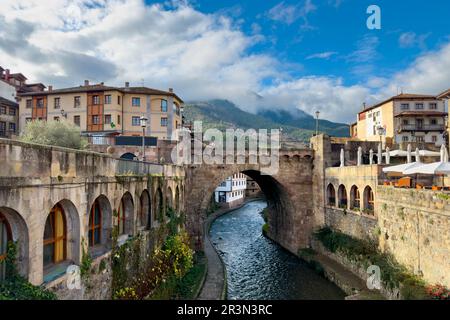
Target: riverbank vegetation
[(364, 253), (185, 288), (16, 287), (167, 264)]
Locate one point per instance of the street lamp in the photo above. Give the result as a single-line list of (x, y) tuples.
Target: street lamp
[(143, 120), (63, 113), (317, 122), (381, 131)]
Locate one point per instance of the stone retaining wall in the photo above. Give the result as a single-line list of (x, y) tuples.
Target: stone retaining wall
[(415, 228)]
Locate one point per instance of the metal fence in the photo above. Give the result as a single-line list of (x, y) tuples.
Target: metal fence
[(132, 167)]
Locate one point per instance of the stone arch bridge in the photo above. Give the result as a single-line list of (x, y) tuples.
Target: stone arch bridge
[(289, 194)]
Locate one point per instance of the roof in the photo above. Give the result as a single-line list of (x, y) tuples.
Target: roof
[(7, 102), (402, 96), (445, 94), (101, 87), (18, 76), (422, 113)]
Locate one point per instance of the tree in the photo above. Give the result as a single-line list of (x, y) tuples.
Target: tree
[(55, 133)]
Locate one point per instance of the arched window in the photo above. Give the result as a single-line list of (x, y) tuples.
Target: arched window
[(159, 205), (95, 224), (368, 200), (355, 199), (55, 237), (331, 195), (177, 199), (121, 218), (342, 197), (169, 198), (5, 237), (145, 210)]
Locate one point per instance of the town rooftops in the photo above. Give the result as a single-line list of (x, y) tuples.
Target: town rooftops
[(444, 95), (8, 103), (402, 96), (18, 76), (102, 87)]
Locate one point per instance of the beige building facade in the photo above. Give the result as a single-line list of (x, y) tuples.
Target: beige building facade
[(404, 118), (103, 112)]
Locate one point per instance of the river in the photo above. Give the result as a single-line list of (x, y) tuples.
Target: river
[(258, 268)]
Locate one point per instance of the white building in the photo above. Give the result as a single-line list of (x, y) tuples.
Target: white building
[(232, 190), (404, 118)]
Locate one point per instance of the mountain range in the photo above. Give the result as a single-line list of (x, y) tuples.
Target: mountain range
[(296, 124)]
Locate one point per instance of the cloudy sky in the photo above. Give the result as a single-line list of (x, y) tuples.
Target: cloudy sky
[(307, 54)]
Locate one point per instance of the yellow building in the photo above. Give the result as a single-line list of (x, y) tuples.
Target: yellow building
[(103, 112), (404, 118)]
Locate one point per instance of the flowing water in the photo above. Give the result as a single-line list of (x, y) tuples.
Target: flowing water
[(258, 268)]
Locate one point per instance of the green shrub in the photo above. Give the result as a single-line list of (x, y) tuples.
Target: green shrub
[(16, 287), (265, 228), (366, 253), (61, 133)]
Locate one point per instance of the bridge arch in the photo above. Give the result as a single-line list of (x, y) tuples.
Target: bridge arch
[(177, 199), (61, 236), (99, 228), (159, 205), (125, 214), (169, 198), (13, 228), (145, 210), (277, 196)]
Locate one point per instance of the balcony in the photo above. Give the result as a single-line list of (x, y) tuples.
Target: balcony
[(421, 128)]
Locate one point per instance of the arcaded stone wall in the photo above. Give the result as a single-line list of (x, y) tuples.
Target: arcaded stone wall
[(34, 178), (415, 228)]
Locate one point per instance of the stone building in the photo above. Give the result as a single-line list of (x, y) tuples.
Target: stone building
[(64, 204)]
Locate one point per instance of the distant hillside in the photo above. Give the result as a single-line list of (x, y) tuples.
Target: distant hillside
[(223, 114), (301, 119)]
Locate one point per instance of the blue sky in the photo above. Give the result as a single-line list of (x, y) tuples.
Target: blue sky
[(307, 54), (337, 28)]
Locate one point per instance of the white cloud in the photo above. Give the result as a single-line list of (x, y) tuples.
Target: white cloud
[(289, 14), (202, 56), (411, 39), (322, 55), (429, 74)]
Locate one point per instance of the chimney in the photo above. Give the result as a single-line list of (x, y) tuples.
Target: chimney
[(50, 88), (7, 74), (364, 106), (127, 84), (171, 90), (86, 83)]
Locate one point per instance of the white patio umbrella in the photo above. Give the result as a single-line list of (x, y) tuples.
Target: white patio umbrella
[(402, 167), (430, 168), (441, 167)]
